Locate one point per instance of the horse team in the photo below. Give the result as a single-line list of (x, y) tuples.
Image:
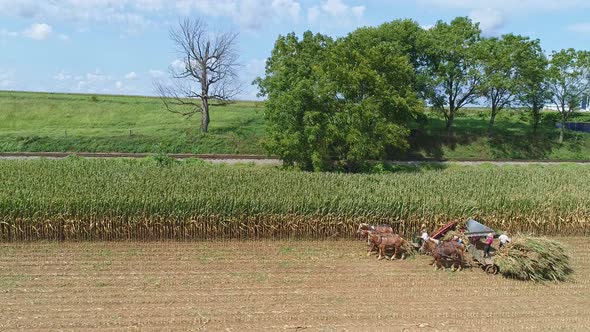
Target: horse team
[(381, 238)]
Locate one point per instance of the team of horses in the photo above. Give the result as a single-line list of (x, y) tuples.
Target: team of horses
[(381, 238)]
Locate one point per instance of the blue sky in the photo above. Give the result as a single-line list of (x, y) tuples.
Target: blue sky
[(122, 46)]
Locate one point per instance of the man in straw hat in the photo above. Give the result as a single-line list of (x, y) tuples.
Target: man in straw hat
[(424, 235)]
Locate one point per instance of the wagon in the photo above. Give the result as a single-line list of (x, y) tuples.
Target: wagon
[(474, 231), (487, 263)]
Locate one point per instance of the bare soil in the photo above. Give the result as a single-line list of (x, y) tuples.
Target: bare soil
[(278, 285)]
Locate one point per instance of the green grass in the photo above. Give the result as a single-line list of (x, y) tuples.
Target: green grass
[(67, 122), (88, 123), (511, 138), (126, 195)]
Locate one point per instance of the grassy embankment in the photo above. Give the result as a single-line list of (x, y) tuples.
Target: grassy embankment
[(85, 123), (142, 199), (81, 123)]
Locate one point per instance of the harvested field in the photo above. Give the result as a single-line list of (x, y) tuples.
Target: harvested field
[(271, 285)]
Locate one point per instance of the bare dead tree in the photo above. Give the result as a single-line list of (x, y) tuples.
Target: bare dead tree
[(208, 72)]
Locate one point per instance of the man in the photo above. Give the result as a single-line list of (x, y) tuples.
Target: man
[(424, 235), (504, 239), (488, 246)]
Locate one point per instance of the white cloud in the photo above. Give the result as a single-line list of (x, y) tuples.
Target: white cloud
[(313, 14), (131, 76), (97, 76), (334, 7), (64, 37), (509, 5), (155, 73), (6, 33), (178, 65), (95, 82), (6, 79), (583, 27), (490, 20), (150, 5), (253, 68), (135, 15), (254, 14), (358, 11), (38, 31), (62, 76), (290, 7), (335, 13)]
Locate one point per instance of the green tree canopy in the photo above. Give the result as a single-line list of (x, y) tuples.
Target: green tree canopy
[(568, 80), (532, 90), (501, 62), (335, 105), (454, 66), (292, 86)]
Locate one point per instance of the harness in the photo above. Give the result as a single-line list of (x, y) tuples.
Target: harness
[(380, 240), (446, 256)]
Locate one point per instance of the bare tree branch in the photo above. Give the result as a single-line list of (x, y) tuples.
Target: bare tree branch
[(209, 73)]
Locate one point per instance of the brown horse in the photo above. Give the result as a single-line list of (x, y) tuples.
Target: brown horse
[(387, 241), (444, 251), (366, 230)]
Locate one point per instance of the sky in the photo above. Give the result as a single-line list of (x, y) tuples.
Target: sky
[(123, 46)]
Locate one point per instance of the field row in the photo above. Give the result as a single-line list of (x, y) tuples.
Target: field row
[(271, 285), (79, 199)]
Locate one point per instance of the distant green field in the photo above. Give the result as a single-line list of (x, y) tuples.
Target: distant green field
[(88, 123)]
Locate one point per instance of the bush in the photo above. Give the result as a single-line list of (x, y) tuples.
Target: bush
[(550, 118), (163, 160)]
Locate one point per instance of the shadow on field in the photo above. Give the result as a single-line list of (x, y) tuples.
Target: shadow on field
[(521, 146), (414, 167), (508, 140)]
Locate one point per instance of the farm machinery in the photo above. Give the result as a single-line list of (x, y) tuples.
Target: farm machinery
[(474, 231)]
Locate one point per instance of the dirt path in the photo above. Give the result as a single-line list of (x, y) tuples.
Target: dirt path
[(292, 286), (264, 160)]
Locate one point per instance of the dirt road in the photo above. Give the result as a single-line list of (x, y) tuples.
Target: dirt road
[(263, 160), (271, 286)]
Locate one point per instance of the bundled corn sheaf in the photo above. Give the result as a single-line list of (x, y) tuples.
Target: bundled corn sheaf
[(121, 199), (534, 258)]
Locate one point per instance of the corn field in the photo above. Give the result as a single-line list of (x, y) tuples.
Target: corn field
[(119, 199)]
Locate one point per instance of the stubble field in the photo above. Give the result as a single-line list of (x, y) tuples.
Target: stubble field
[(271, 285)]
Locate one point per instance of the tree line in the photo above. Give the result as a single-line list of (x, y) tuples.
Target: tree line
[(336, 103)]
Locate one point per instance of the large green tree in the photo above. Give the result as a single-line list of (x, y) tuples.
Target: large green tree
[(454, 66), (568, 80), (338, 105), (532, 90), (374, 94), (501, 63), (406, 36), (292, 87)]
